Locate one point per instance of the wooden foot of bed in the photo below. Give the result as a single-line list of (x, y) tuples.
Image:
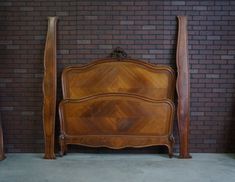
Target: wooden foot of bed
[(63, 146), (49, 148), (170, 148)]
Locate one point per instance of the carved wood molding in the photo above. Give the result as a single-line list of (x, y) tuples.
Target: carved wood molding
[(2, 154), (183, 87), (49, 89)]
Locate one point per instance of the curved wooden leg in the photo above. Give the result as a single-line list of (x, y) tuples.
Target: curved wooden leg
[(171, 146), (49, 89), (63, 146), (183, 87)]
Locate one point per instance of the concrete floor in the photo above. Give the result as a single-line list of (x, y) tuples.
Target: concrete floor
[(118, 168)]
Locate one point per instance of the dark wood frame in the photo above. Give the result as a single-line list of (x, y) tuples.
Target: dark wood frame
[(2, 154), (182, 85)]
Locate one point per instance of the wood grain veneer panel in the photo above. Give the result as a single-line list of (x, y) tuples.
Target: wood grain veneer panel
[(127, 76), (117, 115)]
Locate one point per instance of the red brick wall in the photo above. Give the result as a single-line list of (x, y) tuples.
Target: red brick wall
[(145, 29)]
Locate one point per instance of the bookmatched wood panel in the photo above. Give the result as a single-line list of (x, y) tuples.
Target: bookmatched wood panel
[(119, 115), (126, 75)]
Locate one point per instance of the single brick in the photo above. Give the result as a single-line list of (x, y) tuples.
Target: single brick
[(26, 8), (178, 3), (27, 113), (199, 8), (20, 70), (213, 37), (149, 27), (5, 42), (62, 13), (212, 76), (13, 46), (5, 4), (6, 108), (91, 17), (125, 22), (227, 57), (105, 47), (197, 113), (148, 56), (83, 41)]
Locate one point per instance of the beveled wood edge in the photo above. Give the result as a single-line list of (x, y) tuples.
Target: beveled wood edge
[(127, 141), (2, 153), (149, 66), (120, 94), (128, 60), (183, 112), (49, 111)]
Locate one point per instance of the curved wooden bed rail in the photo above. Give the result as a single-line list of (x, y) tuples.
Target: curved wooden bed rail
[(2, 154), (183, 87), (49, 89)]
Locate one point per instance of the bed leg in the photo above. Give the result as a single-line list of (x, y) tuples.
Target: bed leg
[(170, 147), (63, 146)]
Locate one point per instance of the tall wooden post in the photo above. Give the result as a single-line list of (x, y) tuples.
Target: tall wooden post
[(2, 154), (183, 87), (49, 89)]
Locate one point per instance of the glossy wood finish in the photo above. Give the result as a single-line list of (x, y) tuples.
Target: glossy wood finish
[(2, 154), (126, 75), (117, 74), (117, 103), (183, 87), (49, 89)]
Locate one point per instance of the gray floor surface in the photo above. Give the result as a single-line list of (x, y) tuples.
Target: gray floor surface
[(118, 168)]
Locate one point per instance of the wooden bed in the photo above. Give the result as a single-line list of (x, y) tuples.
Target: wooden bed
[(117, 101)]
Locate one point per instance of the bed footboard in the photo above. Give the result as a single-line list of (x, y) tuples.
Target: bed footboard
[(116, 120)]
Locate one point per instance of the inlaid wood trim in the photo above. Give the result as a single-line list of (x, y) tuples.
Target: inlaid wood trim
[(49, 89), (183, 87)]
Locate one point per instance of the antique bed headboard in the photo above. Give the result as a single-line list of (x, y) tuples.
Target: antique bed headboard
[(140, 93), (112, 75)]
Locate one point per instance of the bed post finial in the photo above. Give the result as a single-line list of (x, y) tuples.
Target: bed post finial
[(49, 88), (183, 87)]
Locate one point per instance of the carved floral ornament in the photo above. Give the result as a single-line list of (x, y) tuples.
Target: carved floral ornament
[(118, 53)]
